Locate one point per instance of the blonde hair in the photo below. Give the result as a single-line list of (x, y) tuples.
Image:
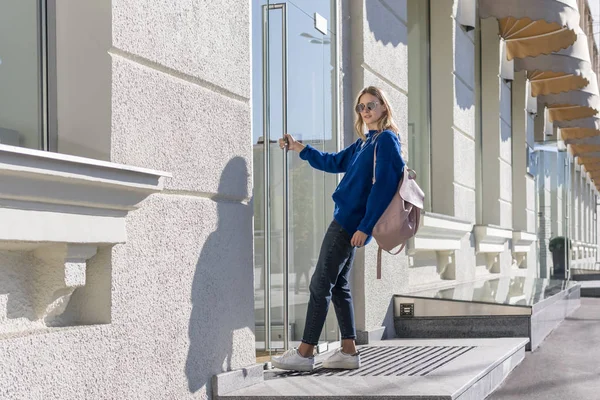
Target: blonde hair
[(387, 119)]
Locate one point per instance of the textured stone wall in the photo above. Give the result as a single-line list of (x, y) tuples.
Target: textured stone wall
[(377, 56), (180, 291)]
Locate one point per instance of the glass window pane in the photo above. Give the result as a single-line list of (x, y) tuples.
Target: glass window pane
[(311, 117), (20, 74), (419, 94)]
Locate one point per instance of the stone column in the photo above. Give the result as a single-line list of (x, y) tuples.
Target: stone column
[(588, 214), (523, 184), (544, 207), (519, 148), (377, 56), (453, 118), (497, 148), (587, 209), (556, 205), (577, 203)]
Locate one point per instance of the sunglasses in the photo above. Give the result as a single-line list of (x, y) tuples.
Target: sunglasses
[(370, 106)]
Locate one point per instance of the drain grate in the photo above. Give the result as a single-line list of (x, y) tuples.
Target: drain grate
[(394, 361)]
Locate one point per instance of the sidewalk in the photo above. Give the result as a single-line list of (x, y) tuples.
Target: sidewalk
[(396, 369), (565, 366)]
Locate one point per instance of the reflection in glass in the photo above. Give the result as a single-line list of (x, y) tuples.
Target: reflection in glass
[(419, 93), (515, 290), (310, 117), (21, 74)]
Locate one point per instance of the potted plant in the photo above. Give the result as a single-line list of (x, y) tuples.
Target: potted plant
[(558, 248)]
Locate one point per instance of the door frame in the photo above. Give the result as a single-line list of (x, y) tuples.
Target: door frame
[(336, 123)]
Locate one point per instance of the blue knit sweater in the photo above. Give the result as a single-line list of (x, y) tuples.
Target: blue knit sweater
[(358, 202)]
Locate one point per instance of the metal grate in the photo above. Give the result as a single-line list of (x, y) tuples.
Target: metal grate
[(394, 361)]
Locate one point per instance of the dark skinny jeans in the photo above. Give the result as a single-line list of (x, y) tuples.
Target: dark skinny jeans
[(330, 283)]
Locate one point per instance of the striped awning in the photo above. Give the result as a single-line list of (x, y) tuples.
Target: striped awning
[(593, 168), (547, 82), (574, 104), (575, 135), (588, 161), (580, 149), (568, 112), (543, 37), (585, 123), (586, 96), (588, 141), (533, 27), (565, 70)]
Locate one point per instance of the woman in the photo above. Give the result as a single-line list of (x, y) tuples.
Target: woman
[(358, 205)]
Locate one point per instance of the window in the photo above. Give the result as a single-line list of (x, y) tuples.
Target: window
[(56, 103), (419, 104), (23, 120), (478, 126)]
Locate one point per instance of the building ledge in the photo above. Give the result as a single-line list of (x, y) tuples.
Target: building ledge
[(439, 233), (522, 241), (521, 244), (589, 250), (577, 250), (442, 235), (62, 208), (56, 198), (491, 241)]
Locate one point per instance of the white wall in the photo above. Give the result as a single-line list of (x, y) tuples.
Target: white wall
[(523, 193), (453, 114), (180, 296), (545, 200), (497, 196), (83, 73), (497, 132), (378, 57)]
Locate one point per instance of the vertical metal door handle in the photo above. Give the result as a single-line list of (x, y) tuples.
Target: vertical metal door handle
[(266, 180)]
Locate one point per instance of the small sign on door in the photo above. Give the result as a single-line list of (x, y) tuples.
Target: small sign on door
[(321, 23)]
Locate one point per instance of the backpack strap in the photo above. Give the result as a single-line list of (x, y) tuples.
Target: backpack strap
[(374, 162), (379, 262)]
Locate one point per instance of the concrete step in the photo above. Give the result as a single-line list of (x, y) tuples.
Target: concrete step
[(586, 275), (433, 369), (492, 308), (590, 288)]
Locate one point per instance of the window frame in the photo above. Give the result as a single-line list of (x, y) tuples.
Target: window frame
[(49, 76), (478, 125), (424, 168)]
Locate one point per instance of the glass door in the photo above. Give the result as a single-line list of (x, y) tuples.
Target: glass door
[(294, 91)]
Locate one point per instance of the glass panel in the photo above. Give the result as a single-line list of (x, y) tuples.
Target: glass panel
[(310, 96), (419, 94), (516, 290), (478, 128), (261, 292), (311, 116), (20, 74), (275, 176)]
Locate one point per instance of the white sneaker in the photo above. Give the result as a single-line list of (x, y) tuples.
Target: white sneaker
[(341, 360), (291, 360)]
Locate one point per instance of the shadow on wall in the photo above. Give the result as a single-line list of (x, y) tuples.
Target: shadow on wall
[(464, 66), (465, 96), (15, 269), (382, 13), (222, 290)]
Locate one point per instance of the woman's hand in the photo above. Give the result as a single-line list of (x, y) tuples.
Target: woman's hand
[(358, 240), (290, 143)]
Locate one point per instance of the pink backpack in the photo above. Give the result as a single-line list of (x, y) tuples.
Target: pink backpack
[(400, 221)]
